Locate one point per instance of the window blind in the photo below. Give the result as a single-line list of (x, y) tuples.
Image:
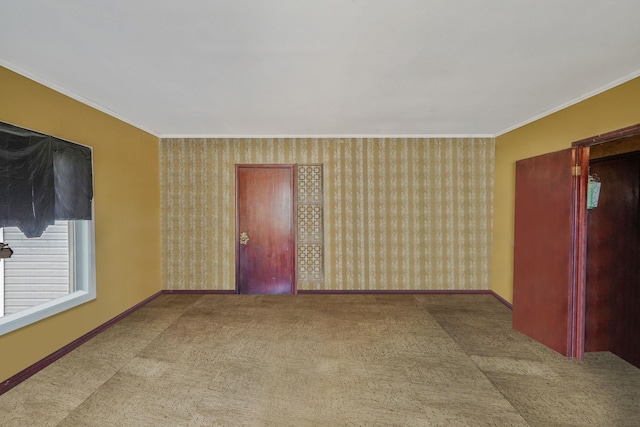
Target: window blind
[(39, 269)]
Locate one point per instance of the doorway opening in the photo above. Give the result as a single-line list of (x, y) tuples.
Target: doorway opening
[(609, 276)]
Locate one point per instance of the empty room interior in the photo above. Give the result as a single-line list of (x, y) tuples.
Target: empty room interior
[(319, 213)]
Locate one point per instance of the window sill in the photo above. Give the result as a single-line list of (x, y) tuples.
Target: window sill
[(33, 314)]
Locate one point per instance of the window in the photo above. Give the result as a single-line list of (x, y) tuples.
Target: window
[(46, 217), (46, 275), (39, 270)]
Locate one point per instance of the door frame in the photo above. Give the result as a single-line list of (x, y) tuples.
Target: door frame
[(293, 171), (579, 293)]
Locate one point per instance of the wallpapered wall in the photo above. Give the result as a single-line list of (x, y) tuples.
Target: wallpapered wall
[(399, 213)]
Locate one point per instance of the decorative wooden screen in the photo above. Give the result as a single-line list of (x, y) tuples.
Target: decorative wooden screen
[(310, 228)]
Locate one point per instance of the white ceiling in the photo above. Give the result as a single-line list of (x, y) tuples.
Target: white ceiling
[(323, 67)]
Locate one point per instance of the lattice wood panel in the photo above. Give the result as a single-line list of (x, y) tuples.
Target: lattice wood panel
[(309, 184), (310, 226)]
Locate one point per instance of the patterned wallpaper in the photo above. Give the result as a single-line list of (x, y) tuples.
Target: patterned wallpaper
[(399, 213)]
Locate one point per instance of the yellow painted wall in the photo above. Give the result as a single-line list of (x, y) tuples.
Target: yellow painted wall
[(614, 109), (399, 213), (127, 214)]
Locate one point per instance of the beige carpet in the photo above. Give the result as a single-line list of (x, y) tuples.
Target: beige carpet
[(334, 360)]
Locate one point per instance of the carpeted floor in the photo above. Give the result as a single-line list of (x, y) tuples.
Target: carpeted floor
[(323, 360)]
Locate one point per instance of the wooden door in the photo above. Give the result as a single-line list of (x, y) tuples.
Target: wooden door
[(265, 237), (545, 250)]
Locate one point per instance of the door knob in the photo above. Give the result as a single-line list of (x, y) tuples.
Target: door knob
[(244, 238)]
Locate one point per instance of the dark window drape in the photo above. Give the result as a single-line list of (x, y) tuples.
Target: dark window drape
[(72, 180), (42, 179)]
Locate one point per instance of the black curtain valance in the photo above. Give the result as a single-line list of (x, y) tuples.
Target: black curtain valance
[(42, 178)]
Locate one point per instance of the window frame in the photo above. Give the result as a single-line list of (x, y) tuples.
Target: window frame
[(84, 276)]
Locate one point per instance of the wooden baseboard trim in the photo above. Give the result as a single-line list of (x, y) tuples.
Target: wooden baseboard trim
[(409, 292), (196, 292), (502, 300), (13, 381), (396, 292)]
